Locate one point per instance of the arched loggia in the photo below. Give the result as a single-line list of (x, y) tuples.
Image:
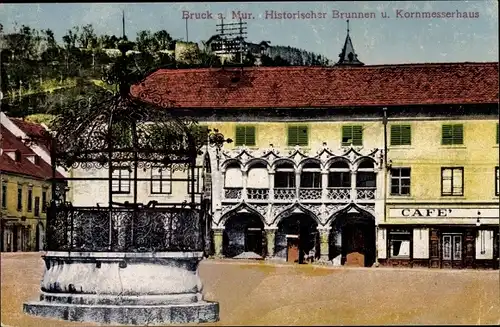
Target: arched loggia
[(352, 237)]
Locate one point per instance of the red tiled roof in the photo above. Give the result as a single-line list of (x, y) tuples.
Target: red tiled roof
[(24, 167), (30, 129), (299, 87)]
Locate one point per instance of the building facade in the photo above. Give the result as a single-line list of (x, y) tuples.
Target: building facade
[(395, 164), (25, 189)]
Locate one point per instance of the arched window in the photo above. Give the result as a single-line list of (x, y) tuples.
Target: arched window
[(233, 177), (258, 176), (284, 177), (311, 175), (366, 177), (339, 175)]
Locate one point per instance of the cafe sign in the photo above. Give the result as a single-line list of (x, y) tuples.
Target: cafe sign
[(444, 213)]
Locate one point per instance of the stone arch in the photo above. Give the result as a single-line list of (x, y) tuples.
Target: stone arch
[(231, 163), (331, 161), (352, 206), (241, 207), (255, 161), (308, 161), (352, 236), (281, 161), (243, 232), (297, 208), (364, 160)]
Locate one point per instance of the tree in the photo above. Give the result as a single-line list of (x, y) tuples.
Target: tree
[(87, 39), (163, 40)]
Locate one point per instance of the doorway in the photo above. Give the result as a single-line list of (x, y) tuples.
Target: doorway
[(297, 238), (452, 250)]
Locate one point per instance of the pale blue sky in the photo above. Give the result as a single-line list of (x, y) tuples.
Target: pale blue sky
[(376, 41)]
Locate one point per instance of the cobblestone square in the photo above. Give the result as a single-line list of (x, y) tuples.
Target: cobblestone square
[(258, 293)]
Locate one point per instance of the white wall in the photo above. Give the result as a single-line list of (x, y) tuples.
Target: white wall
[(420, 243), (233, 178)]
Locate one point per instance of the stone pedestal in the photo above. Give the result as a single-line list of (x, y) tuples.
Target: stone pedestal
[(123, 288), (218, 242)]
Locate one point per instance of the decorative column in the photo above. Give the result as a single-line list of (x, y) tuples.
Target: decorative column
[(270, 238), (271, 185), (324, 233), (297, 184), (353, 185), (324, 185), (244, 175), (218, 241)]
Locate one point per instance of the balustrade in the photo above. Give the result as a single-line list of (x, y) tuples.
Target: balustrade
[(258, 193), (312, 193), (285, 193), (338, 193), (233, 193), (365, 193)]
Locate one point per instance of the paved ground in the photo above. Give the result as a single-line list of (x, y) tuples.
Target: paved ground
[(262, 294)]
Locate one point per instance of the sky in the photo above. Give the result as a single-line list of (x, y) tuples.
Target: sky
[(377, 40)]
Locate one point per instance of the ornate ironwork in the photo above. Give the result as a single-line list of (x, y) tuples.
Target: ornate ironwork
[(110, 130), (125, 229)]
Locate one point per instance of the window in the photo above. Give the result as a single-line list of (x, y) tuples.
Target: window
[(20, 198), (245, 135), (452, 181), (400, 181), (297, 135), (399, 243), (37, 206), (453, 134), (197, 189), (352, 135), (161, 180), (311, 176), (44, 201), (284, 177), (4, 195), (121, 180), (497, 179), (30, 200), (400, 135)]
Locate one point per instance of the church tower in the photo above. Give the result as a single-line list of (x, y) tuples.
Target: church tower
[(348, 57)]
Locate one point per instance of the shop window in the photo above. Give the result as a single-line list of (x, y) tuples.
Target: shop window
[(400, 243)]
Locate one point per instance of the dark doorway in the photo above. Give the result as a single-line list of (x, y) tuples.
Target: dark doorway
[(297, 237), (243, 233), (452, 250), (353, 237), (15, 237)]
